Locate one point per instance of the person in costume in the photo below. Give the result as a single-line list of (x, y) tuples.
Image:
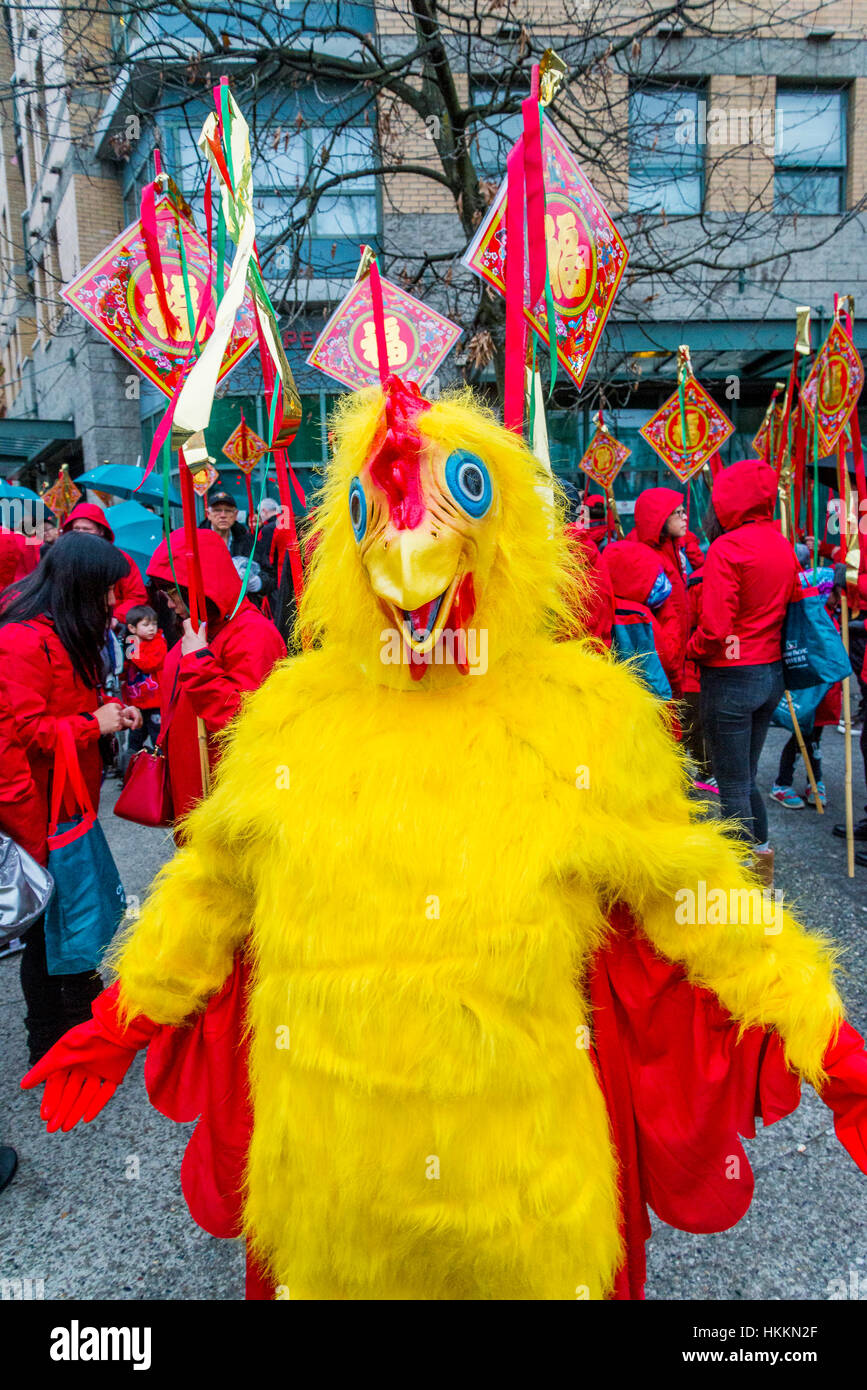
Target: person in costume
[(660, 526), (89, 519), (428, 930), (208, 672)]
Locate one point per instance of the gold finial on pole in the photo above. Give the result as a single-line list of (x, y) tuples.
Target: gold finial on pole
[(552, 71), (802, 337)]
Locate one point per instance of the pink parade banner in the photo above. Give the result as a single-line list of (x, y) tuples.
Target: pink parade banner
[(417, 338)]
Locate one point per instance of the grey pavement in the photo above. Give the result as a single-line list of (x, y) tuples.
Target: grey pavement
[(98, 1213)]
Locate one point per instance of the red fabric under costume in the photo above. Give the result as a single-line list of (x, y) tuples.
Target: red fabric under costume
[(679, 1084)]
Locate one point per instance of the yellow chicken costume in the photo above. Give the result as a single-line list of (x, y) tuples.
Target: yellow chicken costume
[(420, 838)]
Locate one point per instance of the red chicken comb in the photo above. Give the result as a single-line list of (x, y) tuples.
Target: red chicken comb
[(394, 461)]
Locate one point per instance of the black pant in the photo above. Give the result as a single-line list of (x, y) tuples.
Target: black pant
[(693, 734), (54, 1002), (150, 724), (789, 757), (736, 707)]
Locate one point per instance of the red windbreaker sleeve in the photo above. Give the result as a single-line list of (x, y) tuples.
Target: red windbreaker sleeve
[(669, 639), (693, 551), (25, 675), (215, 685), (130, 591), (719, 606)]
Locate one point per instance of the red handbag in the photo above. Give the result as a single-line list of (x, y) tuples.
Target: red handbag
[(146, 794)]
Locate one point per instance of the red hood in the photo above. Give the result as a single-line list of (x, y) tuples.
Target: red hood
[(652, 510), (88, 511), (632, 569), (745, 491), (221, 580)]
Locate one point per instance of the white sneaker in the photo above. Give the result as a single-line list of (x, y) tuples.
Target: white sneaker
[(12, 947)]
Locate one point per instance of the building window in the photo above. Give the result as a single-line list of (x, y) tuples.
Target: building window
[(492, 139), (666, 160), (282, 161), (810, 159)]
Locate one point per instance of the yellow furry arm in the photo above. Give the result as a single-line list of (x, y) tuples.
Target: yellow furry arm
[(686, 884), (179, 951)]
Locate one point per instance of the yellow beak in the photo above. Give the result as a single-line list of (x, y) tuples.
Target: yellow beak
[(409, 569)]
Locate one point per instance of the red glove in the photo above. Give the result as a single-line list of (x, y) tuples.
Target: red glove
[(84, 1069), (845, 1091)]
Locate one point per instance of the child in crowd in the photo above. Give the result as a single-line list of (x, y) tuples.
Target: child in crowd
[(145, 655)]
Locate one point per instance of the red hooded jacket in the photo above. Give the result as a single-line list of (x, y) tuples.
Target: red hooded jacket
[(130, 591), (652, 510), (599, 608), (750, 574), (40, 685), (633, 570), (17, 558), (692, 550), (21, 806), (209, 684)]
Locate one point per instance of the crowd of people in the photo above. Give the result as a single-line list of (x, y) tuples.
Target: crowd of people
[(703, 624), (706, 625)]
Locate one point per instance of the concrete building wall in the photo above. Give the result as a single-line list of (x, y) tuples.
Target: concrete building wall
[(74, 199)]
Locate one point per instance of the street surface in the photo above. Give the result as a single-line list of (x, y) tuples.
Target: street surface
[(98, 1213)]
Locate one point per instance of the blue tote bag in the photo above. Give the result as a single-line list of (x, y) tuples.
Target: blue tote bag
[(88, 901), (813, 651), (806, 702), (632, 636)]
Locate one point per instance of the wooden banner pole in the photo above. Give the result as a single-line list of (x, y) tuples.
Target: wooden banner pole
[(811, 776)]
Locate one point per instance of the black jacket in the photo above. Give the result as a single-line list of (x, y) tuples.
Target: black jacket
[(240, 542)]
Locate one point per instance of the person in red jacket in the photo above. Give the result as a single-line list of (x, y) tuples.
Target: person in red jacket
[(52, 627), (640, 584), (145, 652), (207, 673), (750, 577), (130, 591), (692, 551), (17, 558), (598, 608), (660, 525)]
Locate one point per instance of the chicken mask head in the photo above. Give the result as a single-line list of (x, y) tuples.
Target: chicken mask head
[(438, 547)]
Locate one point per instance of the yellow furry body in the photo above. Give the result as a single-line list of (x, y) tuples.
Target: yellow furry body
[(423, 875)]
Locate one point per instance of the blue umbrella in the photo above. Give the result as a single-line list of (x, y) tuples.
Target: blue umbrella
[(23, 493), (121, 480), (136, 530)]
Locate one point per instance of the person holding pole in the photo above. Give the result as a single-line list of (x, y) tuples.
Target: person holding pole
[(207, 673)]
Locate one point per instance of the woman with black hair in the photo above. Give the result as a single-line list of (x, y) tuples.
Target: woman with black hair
[(52, 631)]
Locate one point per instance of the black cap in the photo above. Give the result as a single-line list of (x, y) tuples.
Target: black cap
[(216, 498)]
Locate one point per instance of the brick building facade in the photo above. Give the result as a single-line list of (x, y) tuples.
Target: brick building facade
[(778, 166)]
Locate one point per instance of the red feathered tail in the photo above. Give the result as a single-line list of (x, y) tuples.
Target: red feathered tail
[(682, 1083), (679, 1083)]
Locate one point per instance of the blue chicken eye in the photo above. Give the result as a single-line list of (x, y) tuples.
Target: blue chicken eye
[(357, 508), (469, 482)]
